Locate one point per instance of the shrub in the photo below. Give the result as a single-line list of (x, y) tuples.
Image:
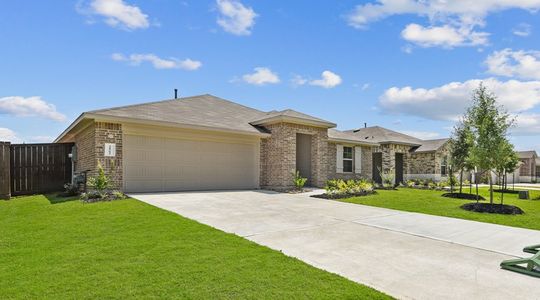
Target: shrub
[(95, 196), (101, 182), (410, 183), (298, 180), (388, 178), (349, 187), (70, 190)]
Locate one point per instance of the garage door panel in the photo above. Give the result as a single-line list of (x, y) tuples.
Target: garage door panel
[(162, 164)]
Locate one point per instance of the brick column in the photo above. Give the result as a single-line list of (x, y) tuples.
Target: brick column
[(113, 167)]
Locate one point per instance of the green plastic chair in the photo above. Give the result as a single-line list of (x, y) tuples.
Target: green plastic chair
[(532, 249), (527, 266)]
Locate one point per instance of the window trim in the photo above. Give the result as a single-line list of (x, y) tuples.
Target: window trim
[(348, 159), (444, 166)]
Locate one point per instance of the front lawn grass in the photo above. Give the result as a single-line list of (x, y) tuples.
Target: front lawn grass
[(51, 249), (432, 203)]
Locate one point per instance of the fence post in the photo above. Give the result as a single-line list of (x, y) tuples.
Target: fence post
[(5, 169)]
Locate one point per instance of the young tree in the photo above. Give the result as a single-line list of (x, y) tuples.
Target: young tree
[(507, 160), (489, 125), (461, 144)]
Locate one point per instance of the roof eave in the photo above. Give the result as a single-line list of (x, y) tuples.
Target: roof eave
[(108, 118), (399, 143), (354, 142), (70, 127), (294, 120)]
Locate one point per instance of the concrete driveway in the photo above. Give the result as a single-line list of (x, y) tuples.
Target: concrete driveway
[(406, 255)]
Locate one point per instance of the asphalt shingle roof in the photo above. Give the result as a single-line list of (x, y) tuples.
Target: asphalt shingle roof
[(431, 145), (292, 114), (526, 154), (343, 135), (382, 135), (204, 110)]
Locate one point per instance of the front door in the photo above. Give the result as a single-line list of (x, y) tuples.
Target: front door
[(399, 168), (303, 156), (377, 167)]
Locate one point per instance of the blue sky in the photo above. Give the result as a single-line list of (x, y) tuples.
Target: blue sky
[(401, 64)]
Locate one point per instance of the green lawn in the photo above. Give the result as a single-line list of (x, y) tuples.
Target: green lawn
[(128, 249), (431, 202)]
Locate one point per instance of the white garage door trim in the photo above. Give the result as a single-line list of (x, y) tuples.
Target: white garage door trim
[(169, 159)]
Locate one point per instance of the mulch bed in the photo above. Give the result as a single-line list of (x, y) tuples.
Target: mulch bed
[(465, 196), (386, 188), (342, 196), (493, 208)]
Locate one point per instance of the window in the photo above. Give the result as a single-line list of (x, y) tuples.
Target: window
[(443, 166), (347, 159)]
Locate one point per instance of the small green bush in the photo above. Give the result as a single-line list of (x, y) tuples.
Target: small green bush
[(298, 180), (351, 187), (101, 182)]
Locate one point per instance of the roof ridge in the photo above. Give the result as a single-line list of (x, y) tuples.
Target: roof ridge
[(145, 103), (439, 139), (173, 100)]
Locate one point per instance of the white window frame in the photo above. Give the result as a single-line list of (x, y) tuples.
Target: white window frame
[(348, 159)]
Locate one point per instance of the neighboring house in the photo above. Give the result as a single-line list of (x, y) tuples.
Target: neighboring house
[(530, 166), (204, 142), (405, 156)]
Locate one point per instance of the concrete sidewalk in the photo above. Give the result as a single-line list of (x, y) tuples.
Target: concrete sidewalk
[(406, 255)]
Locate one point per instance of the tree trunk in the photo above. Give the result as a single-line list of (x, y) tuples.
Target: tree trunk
[(476, 182), (490, 188), (461, 181), (503, 189)]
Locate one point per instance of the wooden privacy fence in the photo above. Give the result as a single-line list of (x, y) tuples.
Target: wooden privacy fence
[(34, 168), (4, 170)]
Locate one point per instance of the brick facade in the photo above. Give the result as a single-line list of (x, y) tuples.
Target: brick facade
[(278, 155), (90, 151), (366, 169), (424, 165)]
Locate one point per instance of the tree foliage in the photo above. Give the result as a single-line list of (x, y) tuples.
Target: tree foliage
[(485, 126)]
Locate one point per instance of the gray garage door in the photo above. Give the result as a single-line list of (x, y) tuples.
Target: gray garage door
[(158, 164)]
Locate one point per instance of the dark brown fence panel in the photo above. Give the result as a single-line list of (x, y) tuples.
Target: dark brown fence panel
[(39, 168), (4, 170)]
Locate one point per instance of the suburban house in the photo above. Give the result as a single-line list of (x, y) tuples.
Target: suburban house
[(205, 142), (529, 170)]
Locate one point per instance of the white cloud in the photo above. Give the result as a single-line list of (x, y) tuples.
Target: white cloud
[(449, 101), (117, 13), (423, 135), (29, 107), (527, 124), (328, 80), (445, 36), (298, 80), (522, 30), (522, 64), (261, 76), (8, 135), (157, 62), (454, 19), (235, 18), (465, 10)]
